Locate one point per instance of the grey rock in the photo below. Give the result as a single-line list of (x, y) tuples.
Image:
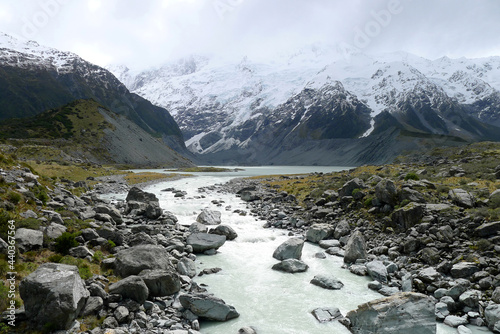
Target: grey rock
[(441, 310), (80, 252), (54, 293), (358, 269), (318, 232), (407, 312), (342, 229), (291, 266), (54, 230), (113, 212), (388, 291), (161, 282), (428, 275), (186, 267), (327, 282), (202, 242), (463, 269), (408, 216), (290, 249), (198, 228), (89, 234), (326, 314), (496, 295), (488, 229), (121, 314), (137, 195), (132, 287), (494, 200), (461, 285), (461, 198), (93, 306), (209, 217), (377, 271), (325, 244), (110, 322), (133, 260), (225, 230), (470, 298), (492, 317), (27, 239), (29, 214), (455, 321), (247, 330), (350, 186), (463, 330), (4, 246), (208, 307), (407, 194), (386, 192), (355, 248)]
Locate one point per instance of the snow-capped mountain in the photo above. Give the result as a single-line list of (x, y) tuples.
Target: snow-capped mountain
[(35, 78), (253, 110)]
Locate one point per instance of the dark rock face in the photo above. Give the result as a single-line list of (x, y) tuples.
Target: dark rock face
[(290, 249), (208, 307), (133, 260), (54, 295), (409, 313), (202, 242)]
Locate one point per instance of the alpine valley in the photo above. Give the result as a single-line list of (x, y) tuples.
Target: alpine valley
[(323, 105)]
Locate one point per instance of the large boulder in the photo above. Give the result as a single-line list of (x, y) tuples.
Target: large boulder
[(492, 317), (386, 192), (228, 231), (27, 239), (132, 287), (355, 248), (350, 186), (488, 229), (291, 266), (341, 229), (208, 307), (54, 230), (318, 232), (53, 295), (377, 271), (464, 269), (408, 216), (327, 282), (133, 260), (407, 312), (290, 249), (143, 203), (462, 198), (209, 217), (202, 242), (161, 282), (494, 201)]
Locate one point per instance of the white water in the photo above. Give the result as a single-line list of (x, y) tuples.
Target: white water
[(272, 302)]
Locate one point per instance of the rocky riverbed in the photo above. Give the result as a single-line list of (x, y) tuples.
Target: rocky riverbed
[(127, 267)]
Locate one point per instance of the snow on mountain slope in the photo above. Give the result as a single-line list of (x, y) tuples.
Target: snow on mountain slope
[(211, 97)]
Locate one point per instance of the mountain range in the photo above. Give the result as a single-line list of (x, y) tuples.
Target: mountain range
[(319, 105), (34, 79), (323, 105)]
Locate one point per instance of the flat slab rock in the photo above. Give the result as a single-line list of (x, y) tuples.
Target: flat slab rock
[(327, 314), (407, 312)]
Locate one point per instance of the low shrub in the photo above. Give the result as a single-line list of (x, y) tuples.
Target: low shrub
[(65, 242)]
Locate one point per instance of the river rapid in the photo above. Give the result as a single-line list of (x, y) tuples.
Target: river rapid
[(270, 301)]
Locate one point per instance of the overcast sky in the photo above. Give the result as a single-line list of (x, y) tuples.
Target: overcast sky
[(145, 33)]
